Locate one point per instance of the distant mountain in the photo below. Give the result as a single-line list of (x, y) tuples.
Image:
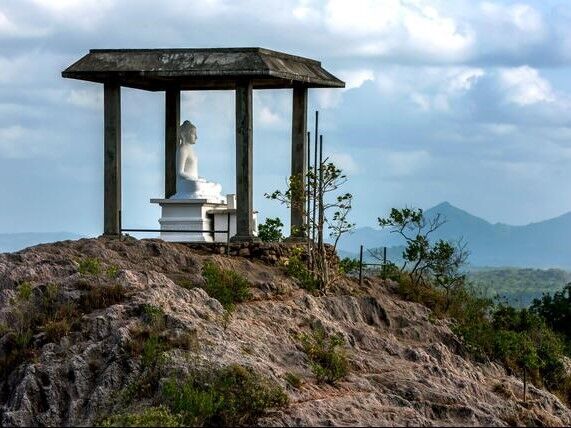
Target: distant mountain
[(546, 244), (10, 242)]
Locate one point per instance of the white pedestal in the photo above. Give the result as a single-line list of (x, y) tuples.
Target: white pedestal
[(187, 214), (222, 216)]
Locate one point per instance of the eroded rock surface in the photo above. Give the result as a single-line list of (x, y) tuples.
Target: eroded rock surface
[(406, 368)]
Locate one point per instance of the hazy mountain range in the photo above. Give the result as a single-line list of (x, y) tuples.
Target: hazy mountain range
[(541, 245), (544, 244)]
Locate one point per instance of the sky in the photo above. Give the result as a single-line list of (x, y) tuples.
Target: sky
[(467, 102)]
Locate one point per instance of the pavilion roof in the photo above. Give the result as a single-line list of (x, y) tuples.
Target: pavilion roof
[(195, 69)]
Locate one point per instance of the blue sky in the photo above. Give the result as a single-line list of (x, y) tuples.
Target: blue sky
[(464, 101)]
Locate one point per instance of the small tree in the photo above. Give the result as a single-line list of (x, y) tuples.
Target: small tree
[(413, 227), (271, 230), (333, 211), (445, 262), (441, 261)]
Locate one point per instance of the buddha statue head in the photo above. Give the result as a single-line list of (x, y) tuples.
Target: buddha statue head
[(188, 133)]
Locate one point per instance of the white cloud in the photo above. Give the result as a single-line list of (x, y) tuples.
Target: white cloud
[(87, 98), (267, 117), (9, 28), (431, 33), (428, 88), (17, 142), (83, 14), (405, 163), (361, 17), (355, 78), (524, 86), (522, 17), (345, 162)]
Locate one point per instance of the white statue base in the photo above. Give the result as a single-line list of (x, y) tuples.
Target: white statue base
[(187, 214), (212, 217)]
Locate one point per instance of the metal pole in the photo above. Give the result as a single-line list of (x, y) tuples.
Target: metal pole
[(361, 266), (315, 172), (228, 233), (384, 255), (320, 198), (308, 213)]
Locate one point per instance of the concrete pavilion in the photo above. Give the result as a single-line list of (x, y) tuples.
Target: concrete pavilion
[(175, 70)]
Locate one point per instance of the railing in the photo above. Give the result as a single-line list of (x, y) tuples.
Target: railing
[(361, 264), (212, 231)]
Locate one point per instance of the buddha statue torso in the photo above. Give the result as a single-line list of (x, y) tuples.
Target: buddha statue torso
[(188, 184)]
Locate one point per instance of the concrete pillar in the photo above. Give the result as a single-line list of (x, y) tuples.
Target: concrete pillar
[(172, 134), (298, 158), (244, 162), (112, 159)]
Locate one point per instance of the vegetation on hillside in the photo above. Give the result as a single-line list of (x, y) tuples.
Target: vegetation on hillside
[(518, 286), (528, 342)]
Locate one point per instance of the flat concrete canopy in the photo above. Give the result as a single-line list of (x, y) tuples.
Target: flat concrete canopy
[(196, 69)]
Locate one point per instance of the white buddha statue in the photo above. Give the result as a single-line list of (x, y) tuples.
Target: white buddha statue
[(188, 184)]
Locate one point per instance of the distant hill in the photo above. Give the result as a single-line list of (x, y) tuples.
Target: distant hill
[(546, 244), (10, 242), (518, 286)]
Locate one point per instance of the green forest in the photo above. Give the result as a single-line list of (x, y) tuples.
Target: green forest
[(517, 286)]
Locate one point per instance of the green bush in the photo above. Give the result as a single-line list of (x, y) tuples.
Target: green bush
[(112, 272), (150, 417), (89, 266), (348, 265), (226, 286), (229, 396), (328, 362), (519, 339), (102, 296), (271, 230), (153, 316), (293, 379), (391, 271), (24, 291), (297, 269)]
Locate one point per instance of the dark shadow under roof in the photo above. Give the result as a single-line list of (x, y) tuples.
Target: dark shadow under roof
[(194, 69)]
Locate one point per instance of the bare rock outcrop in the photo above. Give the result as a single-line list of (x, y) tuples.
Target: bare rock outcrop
[(406, 368)]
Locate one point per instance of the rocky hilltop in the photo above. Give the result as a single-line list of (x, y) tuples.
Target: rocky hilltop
[(75, 366)]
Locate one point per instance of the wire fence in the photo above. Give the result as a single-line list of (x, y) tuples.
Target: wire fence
[(363, 264)]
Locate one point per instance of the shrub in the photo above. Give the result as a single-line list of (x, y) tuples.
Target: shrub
[(55, 330), (152, 349), (328, 363), (348, 265), (89, 266), (153, 315), (226, 286), (151, 417), (391, 271), (519, 339), (112, 272), (24, 291), (229, 396), (102, 296), (271, 230), (296, 268), (293, 379)]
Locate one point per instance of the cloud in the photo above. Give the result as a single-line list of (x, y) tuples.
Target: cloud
[(355, 78), (18, 142), (87, 98), (345, 162), (524, 86)]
